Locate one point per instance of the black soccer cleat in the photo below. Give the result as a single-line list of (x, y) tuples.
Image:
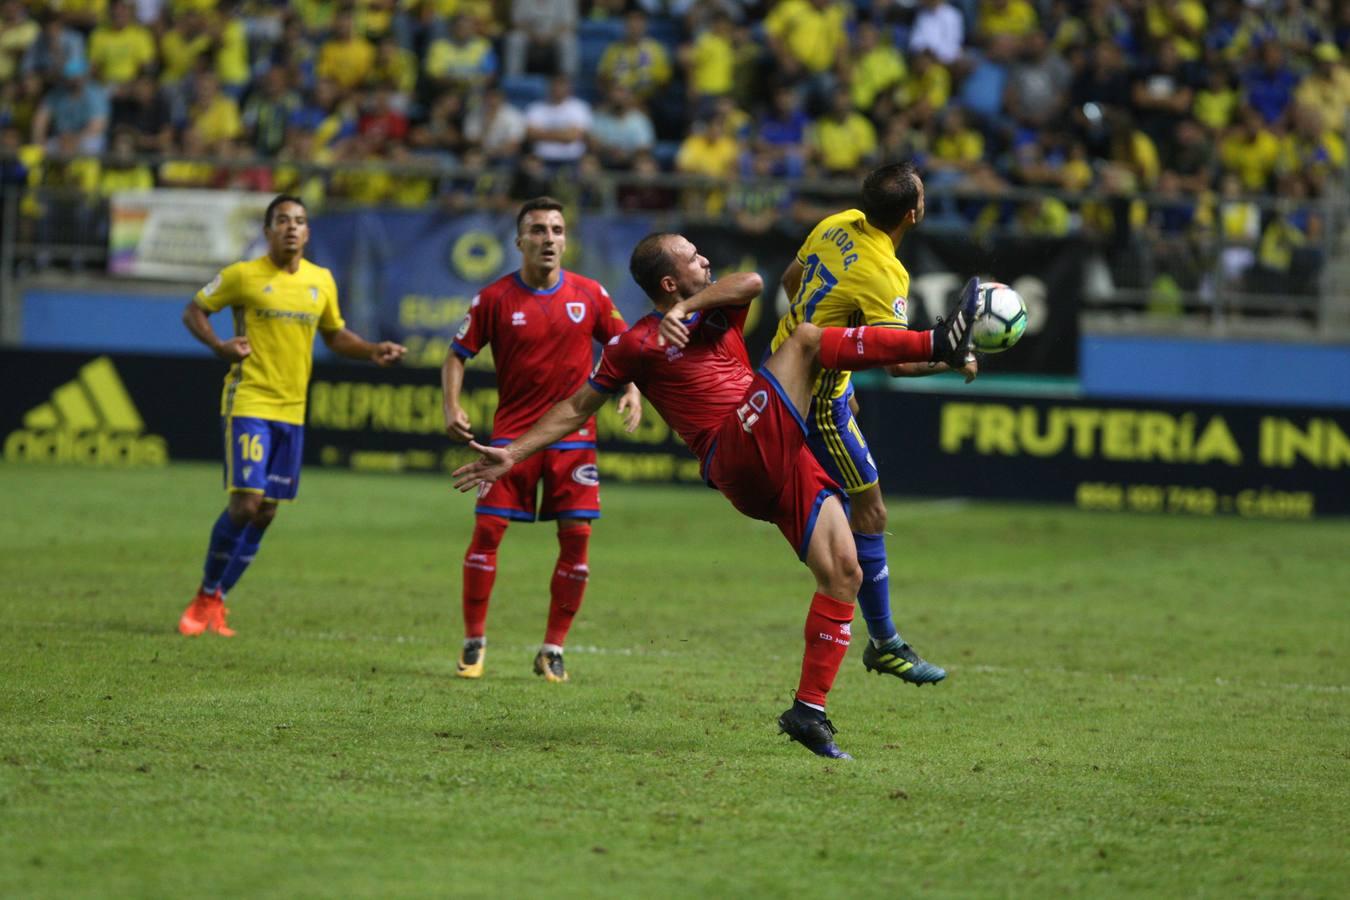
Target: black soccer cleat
[(902, 662), (812, 730), (550, 665), (952, 335)]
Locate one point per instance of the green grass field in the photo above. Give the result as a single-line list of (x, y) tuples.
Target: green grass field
[(1137, 705)]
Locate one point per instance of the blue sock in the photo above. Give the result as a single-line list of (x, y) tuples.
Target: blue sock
[(224, 539), (243, 555), (874, 596)]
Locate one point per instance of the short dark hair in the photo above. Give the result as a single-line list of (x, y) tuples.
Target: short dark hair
[(277, 201), (890, 193), (530, 206), (650, 263)]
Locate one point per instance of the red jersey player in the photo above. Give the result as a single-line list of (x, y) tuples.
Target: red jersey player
[(539, 321), (690, 361)]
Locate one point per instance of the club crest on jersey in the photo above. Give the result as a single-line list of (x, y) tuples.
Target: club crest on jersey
[(587, 474), (576, 311)]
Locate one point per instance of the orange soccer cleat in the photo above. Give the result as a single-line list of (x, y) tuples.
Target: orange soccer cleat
[(205, 612)]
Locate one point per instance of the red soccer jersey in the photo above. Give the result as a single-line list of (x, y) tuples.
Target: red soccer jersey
[(694, 389), (541, 345)]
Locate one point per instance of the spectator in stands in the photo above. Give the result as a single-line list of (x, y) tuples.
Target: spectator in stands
[(382, 122), (56, 50), (295, 53), (782, 133), (1299, 28), (985, 85), (1312, 150), (1162, 94), (18, 32), (1014, 19), (1270, 87), (531, 178), (641, 193), (1216, 102), (710, 62), (1179, 22), (1250, 151), (326, 113), (843, 141), (1327, 87), (874, 66), (121, 49), (1101, 90), (757, 201), (621, 129), (83, 15), (1133, 151), (144, 111), (925, 91), (461, 62), (809, 42), (1191, 157), (395, 66), (495, 126), (939, 29), (636, 62), (1239, 230), (559, 125), (439, 132), (232, 59), (712, 153), (346, 58), (122, 170), (213, 115), (542, 37), (187, 39), (957, 149), (73, 116), (267, 110), (1037, 94)]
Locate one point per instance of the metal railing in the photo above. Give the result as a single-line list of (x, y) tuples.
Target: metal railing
[(1158, 262)]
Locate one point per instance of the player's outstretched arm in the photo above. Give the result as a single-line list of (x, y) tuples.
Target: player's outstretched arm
[(345, 342), (736, 289), (198, 322), (563, 418)]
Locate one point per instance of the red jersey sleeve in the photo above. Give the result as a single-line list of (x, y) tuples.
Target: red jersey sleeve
[(617, 366), (609, 321), (475, 332)]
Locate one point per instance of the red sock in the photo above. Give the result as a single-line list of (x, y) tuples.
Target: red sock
[(569, 582), (827, 636), (480, 571), (870, 347)]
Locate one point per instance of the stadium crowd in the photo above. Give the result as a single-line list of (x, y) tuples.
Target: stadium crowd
[(1202, 105)]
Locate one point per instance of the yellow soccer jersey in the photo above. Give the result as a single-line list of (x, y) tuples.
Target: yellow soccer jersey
[(278, 312), (851, 277)]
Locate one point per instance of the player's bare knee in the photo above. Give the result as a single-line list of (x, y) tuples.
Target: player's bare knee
[(244, 507), (807, 336), (845, 579), (265, 514)]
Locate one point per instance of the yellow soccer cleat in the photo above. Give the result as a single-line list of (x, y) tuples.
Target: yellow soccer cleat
[(470, 663), (550, 665)]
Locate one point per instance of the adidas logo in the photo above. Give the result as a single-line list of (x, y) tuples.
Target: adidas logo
[(90, 420)]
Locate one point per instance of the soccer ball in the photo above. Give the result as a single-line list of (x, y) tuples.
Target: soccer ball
[(1000, 318)]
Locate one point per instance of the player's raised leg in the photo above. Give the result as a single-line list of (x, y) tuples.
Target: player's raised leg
[(480, 572), (830, 557)]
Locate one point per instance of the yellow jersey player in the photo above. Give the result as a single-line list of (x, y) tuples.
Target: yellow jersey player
[(846, 274), (279, 300)]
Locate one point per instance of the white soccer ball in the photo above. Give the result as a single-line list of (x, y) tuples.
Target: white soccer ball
[(1000, 318)]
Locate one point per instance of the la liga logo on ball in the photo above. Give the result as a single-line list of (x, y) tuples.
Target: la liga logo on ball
[(1000, 318)]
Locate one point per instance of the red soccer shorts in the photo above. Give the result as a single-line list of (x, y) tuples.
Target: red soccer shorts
[(761, 463), (571, 485)]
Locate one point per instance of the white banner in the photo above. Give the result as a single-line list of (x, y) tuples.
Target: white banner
[(183, 235)]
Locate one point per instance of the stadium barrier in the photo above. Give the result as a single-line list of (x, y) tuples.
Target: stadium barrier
[(1152, 457)]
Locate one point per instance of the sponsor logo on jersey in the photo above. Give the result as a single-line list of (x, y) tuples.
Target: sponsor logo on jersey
[(586, 474), (90, 420), (517, 318), (576, 311), (898, 307), (248, 470)]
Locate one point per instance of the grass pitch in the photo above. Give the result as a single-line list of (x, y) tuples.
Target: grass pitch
[(1137, 705)]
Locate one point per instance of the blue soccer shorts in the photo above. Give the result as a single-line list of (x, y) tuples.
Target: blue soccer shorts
[(262, 456), (838, 444)]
